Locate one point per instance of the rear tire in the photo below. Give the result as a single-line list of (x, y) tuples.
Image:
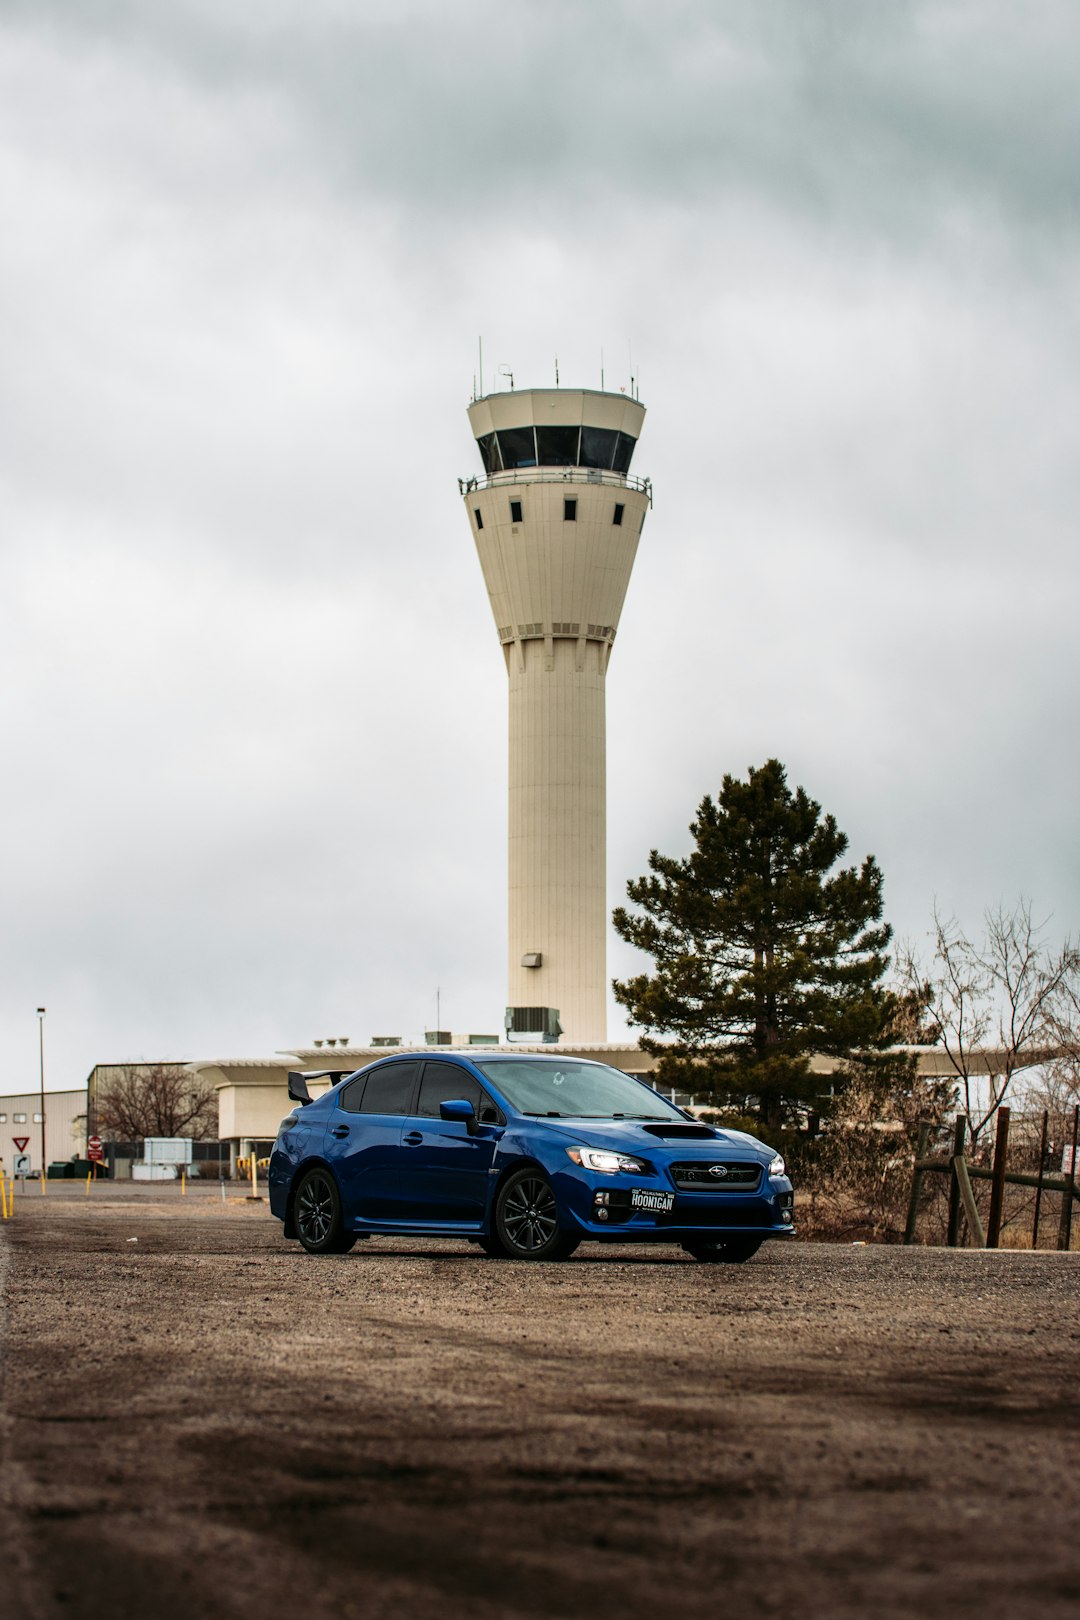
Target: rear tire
[(317, 1214), (725, 1251), (527, 1220)]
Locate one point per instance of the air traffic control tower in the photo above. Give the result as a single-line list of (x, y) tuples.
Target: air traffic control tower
[(556, 519)]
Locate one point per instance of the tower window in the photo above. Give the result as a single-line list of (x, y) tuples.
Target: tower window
[(557, 446), (489, 453), (617, 515), (624, 449), (518, 447), (515, 511), (569, 511), (479, 519), (597, 446)]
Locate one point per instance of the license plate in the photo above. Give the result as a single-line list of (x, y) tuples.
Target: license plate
[(645, 1198)]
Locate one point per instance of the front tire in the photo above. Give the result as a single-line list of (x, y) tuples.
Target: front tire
[(317, 1213), (725, 1251), (527, 1219)]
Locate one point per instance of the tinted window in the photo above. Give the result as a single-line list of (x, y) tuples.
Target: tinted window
[(597, 447), (489, 453), (569, 511), (617, 518), (623, 451), (515, 511), (518, 447), (557, 446), (389, 1090), (350, 1095), (443, 1081), (479, 519)]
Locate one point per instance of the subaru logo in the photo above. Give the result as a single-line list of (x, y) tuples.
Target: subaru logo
[(718, 1170)]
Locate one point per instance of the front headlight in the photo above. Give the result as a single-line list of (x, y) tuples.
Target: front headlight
[(609, 1164), (777, 1167)]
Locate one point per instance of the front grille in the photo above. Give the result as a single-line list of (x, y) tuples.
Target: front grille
[(717, 1175)]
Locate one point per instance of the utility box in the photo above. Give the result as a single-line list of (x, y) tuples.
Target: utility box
[(163, 1158), (539, 1025), (168, 1150)]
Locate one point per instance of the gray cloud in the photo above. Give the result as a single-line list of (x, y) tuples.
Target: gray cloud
[(253, 705)]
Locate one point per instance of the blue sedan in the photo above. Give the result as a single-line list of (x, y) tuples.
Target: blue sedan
[(526, 1156)]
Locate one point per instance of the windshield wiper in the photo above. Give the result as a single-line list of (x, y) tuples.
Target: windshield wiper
[(550, 1113)]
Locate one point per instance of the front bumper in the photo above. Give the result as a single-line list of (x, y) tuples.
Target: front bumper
[(598, 1207)]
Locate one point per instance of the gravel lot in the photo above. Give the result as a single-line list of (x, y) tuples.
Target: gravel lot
[(207, 1422)]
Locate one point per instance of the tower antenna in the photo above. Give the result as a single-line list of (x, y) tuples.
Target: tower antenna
[(601, 370), (480, 343), (556, 371)]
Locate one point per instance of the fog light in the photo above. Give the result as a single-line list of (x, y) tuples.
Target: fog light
[(601, 1214)]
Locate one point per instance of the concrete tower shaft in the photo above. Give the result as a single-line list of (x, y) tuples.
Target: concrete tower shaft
[(556, 522)]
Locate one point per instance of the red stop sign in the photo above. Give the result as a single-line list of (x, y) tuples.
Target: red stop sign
[(94, 1149)]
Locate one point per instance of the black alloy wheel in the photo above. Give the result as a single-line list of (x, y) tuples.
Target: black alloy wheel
[(527, 1220), (725, 1251), (317, 1213)]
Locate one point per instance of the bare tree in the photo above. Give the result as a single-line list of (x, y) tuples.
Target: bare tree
[(1006, 1003), (156, 1099)]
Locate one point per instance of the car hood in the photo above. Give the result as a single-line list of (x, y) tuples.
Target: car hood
[(632, 1136)]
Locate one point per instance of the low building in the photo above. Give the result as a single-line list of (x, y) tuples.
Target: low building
[(20, 1130), (253, 1095)]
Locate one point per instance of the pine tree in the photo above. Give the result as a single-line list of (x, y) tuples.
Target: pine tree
[(764, 954)]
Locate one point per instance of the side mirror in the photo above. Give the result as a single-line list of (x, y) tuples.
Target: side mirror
[(298, 1090), (460, 1110)]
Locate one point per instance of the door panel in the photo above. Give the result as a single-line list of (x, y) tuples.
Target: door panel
[(364, 1149), (444, 1167)]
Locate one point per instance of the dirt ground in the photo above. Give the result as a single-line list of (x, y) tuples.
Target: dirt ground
[(197, 1419)]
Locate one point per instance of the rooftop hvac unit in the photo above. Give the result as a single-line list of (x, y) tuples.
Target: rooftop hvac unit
[(438, 1037), (535, 1024)]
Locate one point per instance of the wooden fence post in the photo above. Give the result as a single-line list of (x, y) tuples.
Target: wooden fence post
[(963, 1182), (1068, 1192), (997, 1185), (916, 1180), (1038, 1190), (959, 1129)]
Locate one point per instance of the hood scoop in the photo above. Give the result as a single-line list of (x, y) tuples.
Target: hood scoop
[(683, 1133)]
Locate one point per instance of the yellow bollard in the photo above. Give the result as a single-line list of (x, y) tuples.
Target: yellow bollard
[(254, 1176), (183, 1184), (3, 1198), (43, 1184), (89, 1178)]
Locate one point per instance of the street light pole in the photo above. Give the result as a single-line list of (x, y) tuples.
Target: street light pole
[(41, 1054)]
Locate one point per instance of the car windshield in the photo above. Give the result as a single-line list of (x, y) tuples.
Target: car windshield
[(557, 1089)]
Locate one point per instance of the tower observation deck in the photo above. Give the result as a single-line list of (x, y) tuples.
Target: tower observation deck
[(556, 519)]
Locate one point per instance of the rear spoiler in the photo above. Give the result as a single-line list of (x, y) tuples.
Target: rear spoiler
[(298, 1090)]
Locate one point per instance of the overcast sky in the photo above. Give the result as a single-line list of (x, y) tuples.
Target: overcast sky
[(252, 700)]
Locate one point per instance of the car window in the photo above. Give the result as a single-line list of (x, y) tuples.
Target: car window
[(575, 1089), (441, 1082), (351, 1095), (389, 1090)]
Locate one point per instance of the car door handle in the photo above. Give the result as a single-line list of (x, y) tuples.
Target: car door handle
[(413, 1137), (340, 1131)]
